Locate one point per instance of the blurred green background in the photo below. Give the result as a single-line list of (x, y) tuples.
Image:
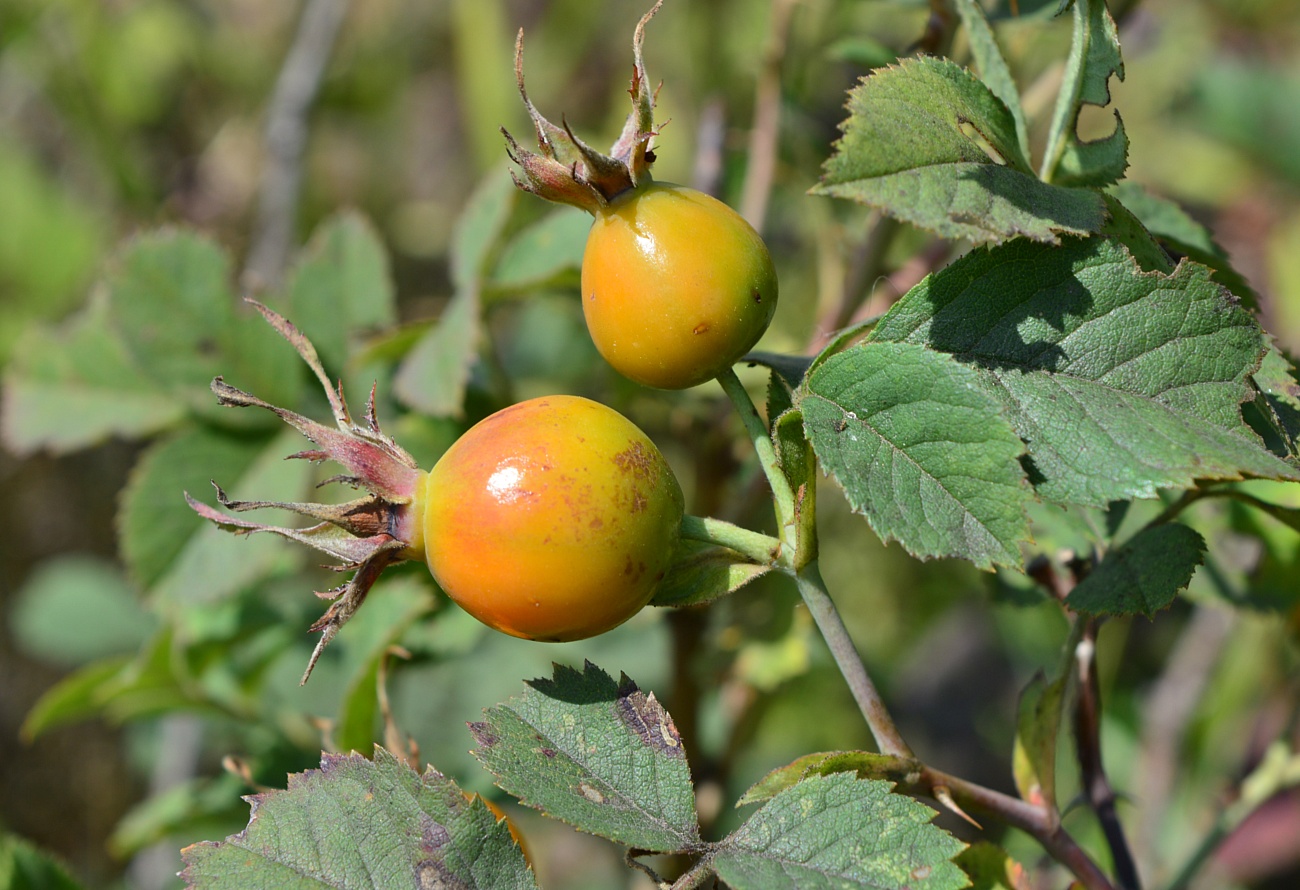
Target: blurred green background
[(121, 116)]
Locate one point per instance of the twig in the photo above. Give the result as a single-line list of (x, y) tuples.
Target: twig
[(763, 138), (1033, 820), (286, 138), (782, 495), (1096, 787), (813, 590)]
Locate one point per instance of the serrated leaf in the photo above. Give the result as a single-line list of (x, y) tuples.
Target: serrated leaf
[(433, 376), (24, 867), (921, 450), (1172, 225), (839, 832), (603, 756), (864, 764), (1126, 228), (212, 564), (545, 252), (76, 386), (993, 67), (1278, 402), (1034, 756), (1094, 57), (171, 303), (341, 285), (360, 824), (1121, 382), (927, 143), (1144, 575), (701, 573)]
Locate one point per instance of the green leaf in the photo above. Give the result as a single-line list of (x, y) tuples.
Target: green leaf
[(1094, 57), (865, 764), (212, 564), (839, 832), (993, 67), (1278, 401), (703, 572), (479, 228), (341, 286), (1126, 228), (546, 253), (1121, 382), (1144, 575), (115, 689), (603, 756), (170, 302), (77, 608), (921, 450), (990, 868), (433, 376), (1037, 725), (153, 522), (798, 464), (929, 144), (74, 698), (24, 867), (360, 824), (76, 386), (1174, 228)]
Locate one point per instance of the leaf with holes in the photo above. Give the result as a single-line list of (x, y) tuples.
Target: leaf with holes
[(1144, 575), (840, 832), (599, 754), (927, 143), (355, 823)]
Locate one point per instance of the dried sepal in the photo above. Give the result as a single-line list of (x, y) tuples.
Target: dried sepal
[(565, 169), (367, 534)]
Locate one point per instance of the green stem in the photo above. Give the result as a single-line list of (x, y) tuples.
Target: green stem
[(813, 590), (782, 494), (758, 547)]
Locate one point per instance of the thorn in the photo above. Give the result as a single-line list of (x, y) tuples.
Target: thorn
[(944, 796)]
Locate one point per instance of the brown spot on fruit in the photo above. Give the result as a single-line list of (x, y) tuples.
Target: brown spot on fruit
[(701, 328)]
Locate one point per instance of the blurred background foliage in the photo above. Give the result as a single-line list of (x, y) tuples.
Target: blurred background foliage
[(120, 116)]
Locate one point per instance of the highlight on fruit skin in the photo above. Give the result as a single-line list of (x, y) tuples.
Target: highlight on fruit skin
[(553, 519), (676, 286)]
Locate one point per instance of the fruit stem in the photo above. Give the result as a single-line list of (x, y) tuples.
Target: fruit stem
[(757, 547), (818, 600), (782, 494)]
